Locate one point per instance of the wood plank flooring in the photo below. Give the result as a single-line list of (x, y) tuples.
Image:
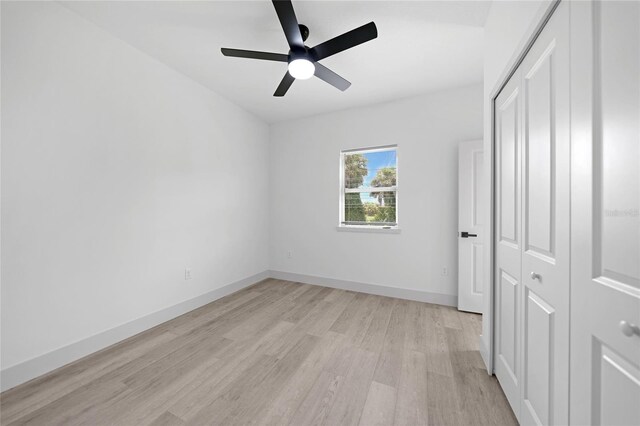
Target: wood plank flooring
[(279, 353)]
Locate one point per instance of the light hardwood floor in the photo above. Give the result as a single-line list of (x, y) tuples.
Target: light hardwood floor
[(279, 353)]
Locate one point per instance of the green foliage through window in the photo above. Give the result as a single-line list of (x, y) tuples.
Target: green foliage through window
[(355, 167), (363, 172)]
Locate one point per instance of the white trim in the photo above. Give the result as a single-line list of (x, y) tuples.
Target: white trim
[(372, 149), (30, 369), (342, 190), (20, 373), (371, 189), (377, 289), (366, 228), (534, 30), (484, 352)]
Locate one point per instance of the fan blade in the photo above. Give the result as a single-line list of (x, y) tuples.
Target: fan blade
[(286, 82), (325, 74), (252, 54), (345, 41), (289, 23)]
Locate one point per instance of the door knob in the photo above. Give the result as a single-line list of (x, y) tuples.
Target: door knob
[(535, 276), (629, 329)]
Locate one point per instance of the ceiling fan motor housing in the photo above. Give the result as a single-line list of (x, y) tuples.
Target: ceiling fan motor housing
[(301, 52)]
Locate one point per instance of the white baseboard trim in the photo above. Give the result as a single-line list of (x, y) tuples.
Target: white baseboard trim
[(379, 290), (484, 353), (35, 367), (30, 369)]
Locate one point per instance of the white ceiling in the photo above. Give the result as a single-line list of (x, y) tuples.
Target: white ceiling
[(422, 46)]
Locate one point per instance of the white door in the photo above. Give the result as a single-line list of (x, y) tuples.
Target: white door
[(532, 229), (546, 141), (508, 255), (605, 220), (470, 230)]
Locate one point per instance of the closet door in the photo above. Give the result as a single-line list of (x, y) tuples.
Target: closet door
[(605, 223), (508, 254), (532, 229), (545, 225)]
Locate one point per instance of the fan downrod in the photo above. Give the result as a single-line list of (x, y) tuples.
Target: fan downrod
[(304, 30)]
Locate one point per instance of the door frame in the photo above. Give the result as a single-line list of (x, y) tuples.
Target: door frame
[(488, 324)]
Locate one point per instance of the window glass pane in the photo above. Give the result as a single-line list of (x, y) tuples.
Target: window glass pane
[(370, 208), (366, 169)]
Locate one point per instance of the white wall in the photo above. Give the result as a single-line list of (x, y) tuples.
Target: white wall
[(117, 173), (304, 182), (509, 26)]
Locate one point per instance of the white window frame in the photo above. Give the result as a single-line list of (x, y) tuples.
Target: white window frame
[(342, 226)]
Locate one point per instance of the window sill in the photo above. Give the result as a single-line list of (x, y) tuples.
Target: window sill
[(368, 229)]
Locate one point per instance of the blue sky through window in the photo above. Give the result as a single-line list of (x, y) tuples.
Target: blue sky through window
[(375, 161)]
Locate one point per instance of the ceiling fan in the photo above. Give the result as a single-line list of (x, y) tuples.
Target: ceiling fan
[(303, 60)]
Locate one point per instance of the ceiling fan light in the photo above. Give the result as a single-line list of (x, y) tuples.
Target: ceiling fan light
[(301, 69)]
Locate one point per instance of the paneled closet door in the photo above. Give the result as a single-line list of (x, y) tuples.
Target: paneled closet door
[(605, 221), (545, 225), (532, 226), (508, 255)]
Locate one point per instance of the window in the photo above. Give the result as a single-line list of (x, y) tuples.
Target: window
[(369, 188)]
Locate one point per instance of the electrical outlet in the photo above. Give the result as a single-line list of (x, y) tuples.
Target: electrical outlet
[(445, 271), (187, 273), (288, 255)]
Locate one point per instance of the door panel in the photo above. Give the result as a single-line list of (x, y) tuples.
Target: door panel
[(538, 352), (508, 256), (616, 402), (605, 222), (478, 273), (616, 192), (478, 204), (539, 146), (532, 224), (508, 155), (546, 191), (470, 207), (507, 338)]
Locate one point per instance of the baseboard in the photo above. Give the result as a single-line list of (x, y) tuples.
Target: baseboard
[(27, 370), (380, 290), (35, 367), (484, 353)]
